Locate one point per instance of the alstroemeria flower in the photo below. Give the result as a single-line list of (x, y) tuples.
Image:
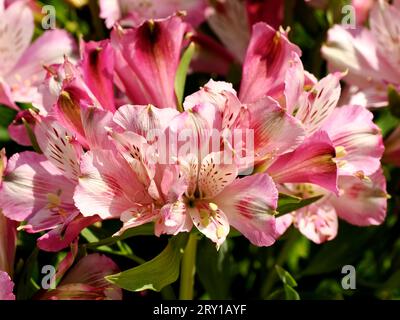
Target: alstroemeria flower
[(147, 58), (232, 21), (7, 286), (38, 188), (85, 281), (21, 64), (341, 143), (361, 201), (129, 185), (132, 13), (266, 63), (371, 56)]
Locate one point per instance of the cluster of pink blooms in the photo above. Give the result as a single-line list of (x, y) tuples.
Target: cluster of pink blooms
[(102, 120)]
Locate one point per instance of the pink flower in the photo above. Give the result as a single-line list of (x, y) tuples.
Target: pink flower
[(371, 56), (147, 58), (266, 63), (20, 62), (133, 13), (7, 286), (232, 21), (129, 185), (362, 8), (85, 281), (38, 189), (362, 201)]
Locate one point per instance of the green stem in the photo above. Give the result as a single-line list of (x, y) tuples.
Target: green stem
[(188, 269), (272, 276)]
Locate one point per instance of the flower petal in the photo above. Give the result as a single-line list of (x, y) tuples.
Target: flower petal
[(249, 204), (362, 202), (352, 129), (98, 69), (59, 147), (267, 60), (107, 185), (312, 161), (152, 52), (30, 184), (7, 286), (322, 100), (318, 222), (86, 281)]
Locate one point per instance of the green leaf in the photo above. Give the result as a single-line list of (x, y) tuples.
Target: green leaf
[(144, 230), (27, 286), (157, 273), (285, 276), (181, 73), (386, 121), (393, 282), (394, 101), (215, 267), (288, 203), (31, 136), (290, 293)]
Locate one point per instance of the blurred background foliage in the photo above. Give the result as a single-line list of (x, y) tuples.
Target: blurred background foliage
[(294, 267)]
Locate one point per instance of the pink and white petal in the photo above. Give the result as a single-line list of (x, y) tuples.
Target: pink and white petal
[(362, 202), (216, 172), (294, 83), (228, 19), (134, 13), (98, 68), (385, 26), (249, 204), (62, 236), (137, 216), (110, 11), (137, 153), (107, 185), (6, 96), (147, 121), (392, 148), (322, 100), (356, 50), (275, 131), (267, 60), (311, 162), (59, 147), (50, 48), (17, 25), (352, 128), (212, 92), (96, 124), (318, 222), (31, 183), (173, 219), (283, 223), (7, 287), (210, 221), (191, 132)]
